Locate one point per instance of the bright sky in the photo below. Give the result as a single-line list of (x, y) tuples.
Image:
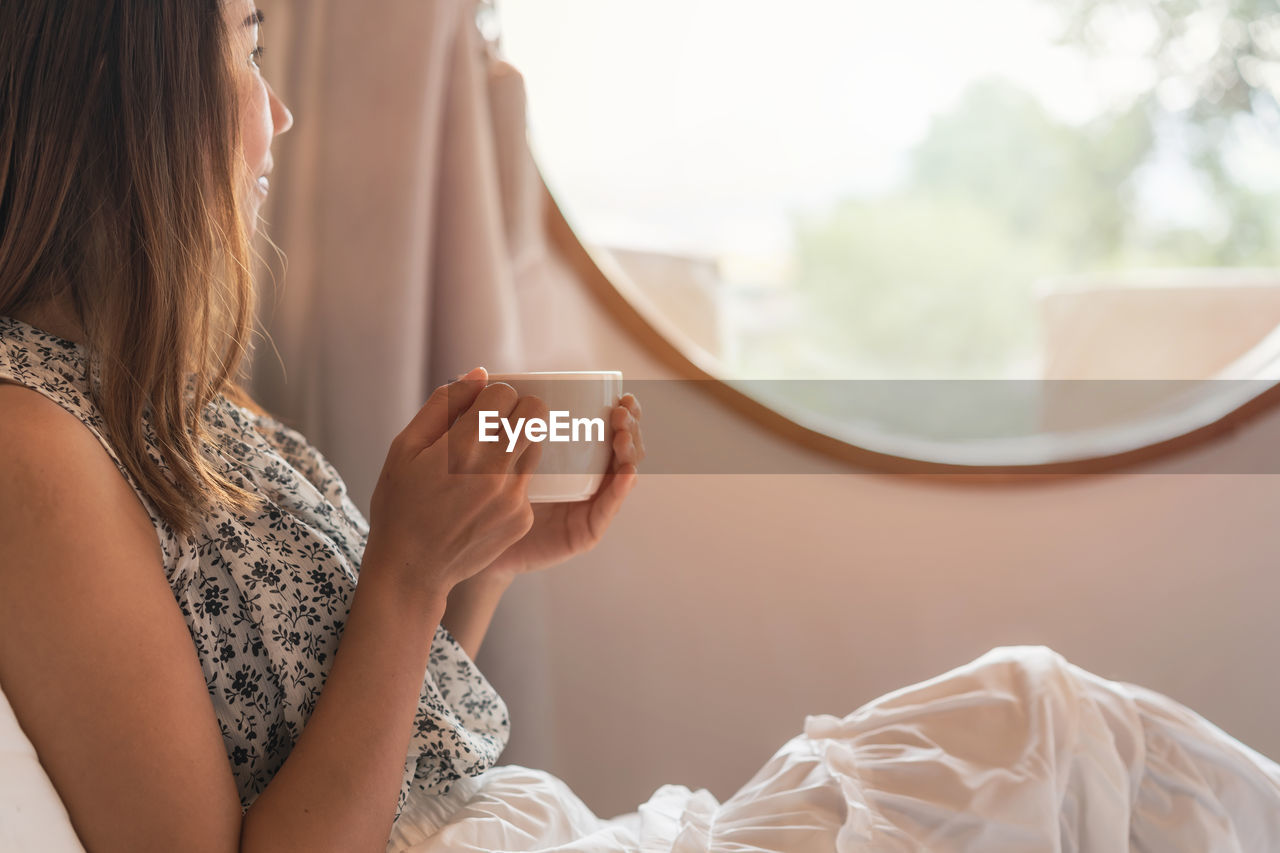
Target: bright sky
[(696, 125)]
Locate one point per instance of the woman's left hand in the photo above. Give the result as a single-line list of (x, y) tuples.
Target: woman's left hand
[(564, 530)]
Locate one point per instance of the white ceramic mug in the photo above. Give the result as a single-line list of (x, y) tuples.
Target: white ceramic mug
[(576, 449)]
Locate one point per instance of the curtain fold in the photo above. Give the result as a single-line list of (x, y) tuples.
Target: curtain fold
[(409, 209)]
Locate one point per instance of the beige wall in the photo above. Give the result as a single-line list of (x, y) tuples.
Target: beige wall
[(1187, 330), (723, 609)]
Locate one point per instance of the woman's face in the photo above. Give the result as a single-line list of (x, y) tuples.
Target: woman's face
[(262, 114)]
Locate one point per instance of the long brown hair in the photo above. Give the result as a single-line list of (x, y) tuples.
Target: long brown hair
[(120, 193)]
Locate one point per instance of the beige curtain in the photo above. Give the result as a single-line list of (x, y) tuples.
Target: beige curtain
[(410, 212)]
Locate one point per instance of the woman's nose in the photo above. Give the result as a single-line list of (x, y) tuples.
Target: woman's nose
[(280, 115)]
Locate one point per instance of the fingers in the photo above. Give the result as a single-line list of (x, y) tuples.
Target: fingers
[(472, 382), (628, 441), (634, 405), (527, 463), (442, 409), (527, 408), (497, 400), (624, 449), (613, 492), (484, 444)]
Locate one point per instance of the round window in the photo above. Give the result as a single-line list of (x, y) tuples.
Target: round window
[(914, 220)]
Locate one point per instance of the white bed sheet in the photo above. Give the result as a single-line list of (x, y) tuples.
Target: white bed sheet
[(31, 815), (1017, 751)]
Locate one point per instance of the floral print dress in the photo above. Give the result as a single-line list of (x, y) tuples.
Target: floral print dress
[(265, 596)]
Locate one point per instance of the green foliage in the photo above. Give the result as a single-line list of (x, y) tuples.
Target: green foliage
[(904, 284), (1236, 81), (1068, 185), (1245, 39), (938, 278)]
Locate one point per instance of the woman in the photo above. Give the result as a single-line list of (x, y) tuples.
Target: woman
[(127, 238), (178, 569)]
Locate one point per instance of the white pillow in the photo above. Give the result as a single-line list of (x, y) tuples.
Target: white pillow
[(32, 817)]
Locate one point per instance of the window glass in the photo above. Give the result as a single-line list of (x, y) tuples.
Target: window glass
[(852, 190)]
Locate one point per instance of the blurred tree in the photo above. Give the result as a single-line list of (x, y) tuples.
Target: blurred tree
[(1048, 181), (1219, 58), (938, 277), (1218, 63), (919, 286)]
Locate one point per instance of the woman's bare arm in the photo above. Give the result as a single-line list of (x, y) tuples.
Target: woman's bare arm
[(103, 676), (471, 607), (94, 655), (338, 788)]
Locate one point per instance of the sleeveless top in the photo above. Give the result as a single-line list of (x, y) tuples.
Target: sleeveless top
[(265, 596)]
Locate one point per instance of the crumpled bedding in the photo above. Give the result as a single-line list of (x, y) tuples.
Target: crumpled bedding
[(1019, 750)]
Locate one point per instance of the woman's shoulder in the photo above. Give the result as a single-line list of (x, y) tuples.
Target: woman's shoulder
[(36, 412), (38, 431), (57, 473), (32, 424)]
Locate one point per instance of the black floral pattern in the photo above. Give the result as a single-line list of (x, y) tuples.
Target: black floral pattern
[(266, 596)]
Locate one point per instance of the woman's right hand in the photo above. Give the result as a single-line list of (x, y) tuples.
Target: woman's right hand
[(446, 504)]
